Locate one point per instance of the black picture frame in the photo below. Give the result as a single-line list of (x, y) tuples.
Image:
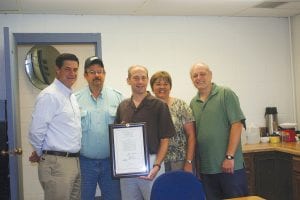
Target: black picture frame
[(129, 150)]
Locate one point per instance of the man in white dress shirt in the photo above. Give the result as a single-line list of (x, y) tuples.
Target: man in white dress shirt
[(55, 133)]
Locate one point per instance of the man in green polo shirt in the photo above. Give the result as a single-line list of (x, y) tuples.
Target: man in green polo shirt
[(219, 121)]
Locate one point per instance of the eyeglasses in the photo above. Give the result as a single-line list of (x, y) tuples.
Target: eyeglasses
[(92, 72)]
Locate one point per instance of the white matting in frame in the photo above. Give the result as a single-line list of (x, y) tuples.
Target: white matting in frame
[(129, 150)]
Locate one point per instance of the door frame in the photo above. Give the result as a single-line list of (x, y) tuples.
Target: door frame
[(11, 41)]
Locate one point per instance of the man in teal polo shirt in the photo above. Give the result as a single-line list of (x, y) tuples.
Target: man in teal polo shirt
[(219, 122), (98, 105)]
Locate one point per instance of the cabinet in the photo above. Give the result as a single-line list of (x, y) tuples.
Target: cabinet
[(296, 177), (250, 171), (273, 175), (270, 175)]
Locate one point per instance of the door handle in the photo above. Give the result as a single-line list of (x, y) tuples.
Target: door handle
[(16, 151)]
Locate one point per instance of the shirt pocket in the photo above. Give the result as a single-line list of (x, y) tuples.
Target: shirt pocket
[(84, 120), (112, 111)]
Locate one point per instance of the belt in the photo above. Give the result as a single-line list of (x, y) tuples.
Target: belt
[(60, 153)]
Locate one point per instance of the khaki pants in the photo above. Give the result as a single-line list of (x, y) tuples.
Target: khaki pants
[(60, 177), (137, 188)]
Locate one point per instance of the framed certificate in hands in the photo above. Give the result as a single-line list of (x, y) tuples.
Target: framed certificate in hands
[(129, 150)]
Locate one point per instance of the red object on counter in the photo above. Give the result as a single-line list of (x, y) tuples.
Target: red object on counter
[(289, 135)]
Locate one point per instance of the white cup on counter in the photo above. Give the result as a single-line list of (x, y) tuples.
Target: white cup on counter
[(265, 139)]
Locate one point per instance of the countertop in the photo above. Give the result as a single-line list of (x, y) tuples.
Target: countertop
[(286, 147)]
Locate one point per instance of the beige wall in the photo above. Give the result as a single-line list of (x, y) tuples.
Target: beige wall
[(295, 31)]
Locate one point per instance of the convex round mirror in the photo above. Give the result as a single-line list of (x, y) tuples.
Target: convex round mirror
[(40, 65)]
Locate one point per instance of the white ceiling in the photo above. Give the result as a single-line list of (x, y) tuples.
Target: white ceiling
[(154, 7)]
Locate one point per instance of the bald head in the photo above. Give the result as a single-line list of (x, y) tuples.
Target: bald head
[(134, 67), (201, 66), (201, 77)]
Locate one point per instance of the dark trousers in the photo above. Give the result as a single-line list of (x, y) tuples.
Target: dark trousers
[(224, 185)]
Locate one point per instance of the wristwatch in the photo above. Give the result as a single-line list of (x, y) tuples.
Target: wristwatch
[(189, 161), (229, 157)]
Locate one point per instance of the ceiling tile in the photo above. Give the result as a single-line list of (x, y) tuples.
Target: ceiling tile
[(261, 12), (151, 7), (8, 5), (82, 6), (290, 5), (192, 7)]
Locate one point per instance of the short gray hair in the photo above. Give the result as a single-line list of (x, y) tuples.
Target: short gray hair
[(200, 64)]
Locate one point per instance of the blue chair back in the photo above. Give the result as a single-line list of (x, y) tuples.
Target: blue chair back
[(177, 185)]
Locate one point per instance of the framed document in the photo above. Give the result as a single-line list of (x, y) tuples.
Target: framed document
[(129, 150)]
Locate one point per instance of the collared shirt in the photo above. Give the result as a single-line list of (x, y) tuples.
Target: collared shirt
[(213, 123), (56, 120), (154, 112), (96, 115)]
